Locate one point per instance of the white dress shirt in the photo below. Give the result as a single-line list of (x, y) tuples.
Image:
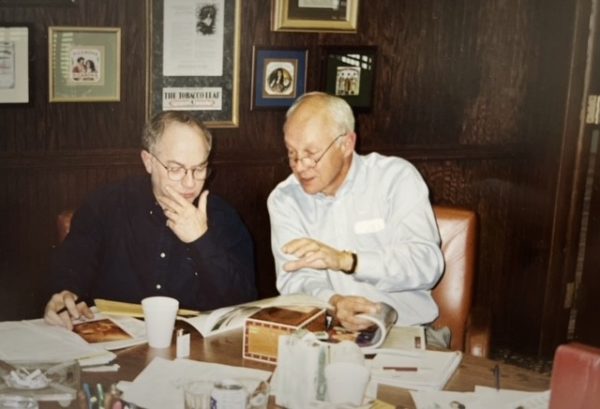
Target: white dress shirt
[(382, 213)]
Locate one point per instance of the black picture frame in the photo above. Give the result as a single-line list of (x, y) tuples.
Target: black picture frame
[(349, 72), (37, 3), (278, 76)]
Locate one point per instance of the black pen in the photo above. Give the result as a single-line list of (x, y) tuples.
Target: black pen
[(496, 372)]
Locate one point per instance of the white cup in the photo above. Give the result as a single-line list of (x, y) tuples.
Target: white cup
[(159, 314), (346, 382)]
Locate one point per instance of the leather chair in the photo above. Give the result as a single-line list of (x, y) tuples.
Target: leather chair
[(454, 293), (575, 382)]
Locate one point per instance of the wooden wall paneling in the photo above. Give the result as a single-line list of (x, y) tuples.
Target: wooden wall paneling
[(471, 91)]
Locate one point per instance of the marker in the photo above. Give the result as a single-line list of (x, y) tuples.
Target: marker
[(100, 395)]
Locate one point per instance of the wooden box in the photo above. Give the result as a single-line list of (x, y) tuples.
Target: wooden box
[(263, 328)]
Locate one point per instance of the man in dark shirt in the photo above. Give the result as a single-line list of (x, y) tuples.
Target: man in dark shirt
[(160, 235)]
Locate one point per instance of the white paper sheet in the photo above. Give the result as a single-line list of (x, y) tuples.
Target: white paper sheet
[(159, 385)]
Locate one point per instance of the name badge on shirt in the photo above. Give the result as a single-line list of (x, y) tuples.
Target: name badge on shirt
[(369, 226)]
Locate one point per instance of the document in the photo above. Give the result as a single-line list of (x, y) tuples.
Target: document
[(418, 370), (482, 398), (159, 385), (36, 341)]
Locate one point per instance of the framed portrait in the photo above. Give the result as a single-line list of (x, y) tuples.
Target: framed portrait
[(278, 76), (84, 64), (339, 16), (194, 59), (14, 64), (349, 72)]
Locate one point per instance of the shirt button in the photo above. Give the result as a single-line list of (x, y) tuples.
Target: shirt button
[(151, 212), (163, 255), (158, 286), (196, 273)]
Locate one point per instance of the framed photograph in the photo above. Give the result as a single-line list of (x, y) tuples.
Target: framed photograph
[(278, 76), (37, 3), (339, 16), (85, 64), (349, 72), (14, 64), (194, 62)]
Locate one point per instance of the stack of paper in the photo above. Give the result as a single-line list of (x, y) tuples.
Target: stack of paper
[(159, 385), (36, 341), (482, 398), (418, 370)]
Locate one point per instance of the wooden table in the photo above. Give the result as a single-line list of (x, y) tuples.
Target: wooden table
[(227, 349)]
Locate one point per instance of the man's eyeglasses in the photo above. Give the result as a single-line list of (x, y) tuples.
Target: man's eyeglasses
[(177, 173), (309, 162)]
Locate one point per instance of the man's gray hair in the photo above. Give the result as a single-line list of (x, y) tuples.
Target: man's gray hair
[(155, 128), (338, 109)]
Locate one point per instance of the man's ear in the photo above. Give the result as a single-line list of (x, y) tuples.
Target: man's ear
[(147, 159), (349, 143)]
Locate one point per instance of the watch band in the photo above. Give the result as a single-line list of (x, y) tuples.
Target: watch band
[(354, 263)]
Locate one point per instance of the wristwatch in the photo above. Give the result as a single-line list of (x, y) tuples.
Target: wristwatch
[(354, 262)]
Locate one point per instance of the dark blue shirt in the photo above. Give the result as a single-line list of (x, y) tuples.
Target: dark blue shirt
[(120, 248)]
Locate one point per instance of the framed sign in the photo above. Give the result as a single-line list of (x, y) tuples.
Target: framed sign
[(338, 16), (84, 64), (194, 59), (278, 76), (349, 72), (14, 64)]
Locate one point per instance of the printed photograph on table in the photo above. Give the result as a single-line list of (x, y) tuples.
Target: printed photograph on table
[(338, 16), (14, 64), (349, 72), (278, 78), (85, 64)]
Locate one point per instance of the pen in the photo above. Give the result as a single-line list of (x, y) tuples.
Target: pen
[(496, 372), (100, 395), (88, 396)]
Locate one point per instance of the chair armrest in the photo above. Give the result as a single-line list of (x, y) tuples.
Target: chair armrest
[(478, 336)]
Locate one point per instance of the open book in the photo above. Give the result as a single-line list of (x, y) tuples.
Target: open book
[(217, 321), (382, 334)]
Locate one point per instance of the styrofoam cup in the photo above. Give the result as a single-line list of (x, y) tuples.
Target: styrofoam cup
[(159, 314)]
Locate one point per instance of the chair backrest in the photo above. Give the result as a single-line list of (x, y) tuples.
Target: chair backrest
[(454, 292), (575, 382), (63, 224)]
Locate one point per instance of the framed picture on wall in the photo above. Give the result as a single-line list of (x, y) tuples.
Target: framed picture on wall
[(339, 16), (36, 3), (194, 63), (84, 64), (349, 72), (14, 64), (278, 76)]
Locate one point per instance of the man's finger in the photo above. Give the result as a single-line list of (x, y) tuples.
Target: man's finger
[(202, 201)]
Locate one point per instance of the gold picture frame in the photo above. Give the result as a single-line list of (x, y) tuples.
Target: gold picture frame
[(338, 16), (84, 64), (178, 79)]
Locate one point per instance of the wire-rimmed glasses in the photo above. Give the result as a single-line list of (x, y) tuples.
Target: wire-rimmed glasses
[(177, 173), (310, 162)]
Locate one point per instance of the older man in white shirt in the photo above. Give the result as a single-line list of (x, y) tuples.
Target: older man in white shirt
[(350, 229)]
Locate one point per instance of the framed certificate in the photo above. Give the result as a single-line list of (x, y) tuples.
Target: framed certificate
[(14, 64)]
